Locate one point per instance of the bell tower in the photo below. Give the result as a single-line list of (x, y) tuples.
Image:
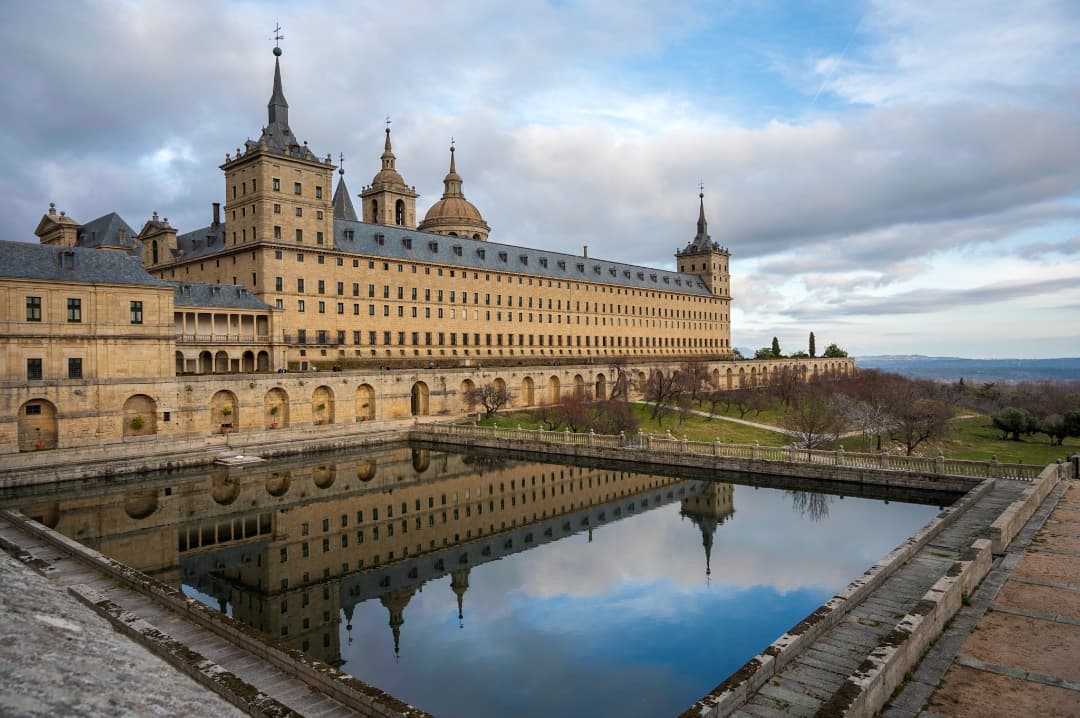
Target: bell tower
[(710, 262), (388, 200)]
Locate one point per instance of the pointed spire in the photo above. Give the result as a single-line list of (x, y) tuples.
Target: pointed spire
[(702, 240), (459, 584), (452, 181), (388, 159), (343, 206), (278, 108)]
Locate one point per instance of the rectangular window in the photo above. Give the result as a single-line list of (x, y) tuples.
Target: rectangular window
[(277, 232), (319, 238), (74, 309), (322, 307), (278, 283), (300, 306), (33, 368), (75, 368), (299, 211), (318, 192), (297, 188), (33, 309), (301, 336), (322, 286), (277, 184), (300, 286), (136, 313), (299, 235)]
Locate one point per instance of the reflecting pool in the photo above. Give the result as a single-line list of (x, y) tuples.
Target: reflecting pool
[(482, 585)]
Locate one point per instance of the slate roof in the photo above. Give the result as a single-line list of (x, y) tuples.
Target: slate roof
[(201, 242), (216, 296), (494, 257), (105, 232), (23, 260), (343, 206)]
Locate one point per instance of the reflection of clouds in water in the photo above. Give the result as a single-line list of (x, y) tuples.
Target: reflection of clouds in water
[(626, 624)]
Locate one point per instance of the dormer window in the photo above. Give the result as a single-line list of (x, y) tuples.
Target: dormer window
[(543, 262), (596, 269), (613, 272), (581, 267), (481, 253), (524, 258), (457, 250), (433, 246), (626, 273), (667, 280), (502, 256), (562, 264), (67, 260), (652, 277), (349, 234), (641, 276), (407, 242), (380, 239)]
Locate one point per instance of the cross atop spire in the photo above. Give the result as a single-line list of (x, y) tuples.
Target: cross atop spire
[(341, 163), (702, 240), (277, 38)]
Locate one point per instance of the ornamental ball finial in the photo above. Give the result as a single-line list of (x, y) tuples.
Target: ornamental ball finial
[(277, 52)]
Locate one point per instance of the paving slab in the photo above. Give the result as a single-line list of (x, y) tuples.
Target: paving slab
[(970, 693)]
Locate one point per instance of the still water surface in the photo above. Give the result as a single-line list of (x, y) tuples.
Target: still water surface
[(472, 585)]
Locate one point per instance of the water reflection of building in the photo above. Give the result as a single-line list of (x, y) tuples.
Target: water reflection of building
[(708, 509), (289, 548)]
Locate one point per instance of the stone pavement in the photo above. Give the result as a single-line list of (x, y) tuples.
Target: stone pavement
[(58, 658), (1015, 650)]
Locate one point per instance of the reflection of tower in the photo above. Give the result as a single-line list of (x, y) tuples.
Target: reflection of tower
[(395, 602), (707, 510), (459, 584), (348, 620)]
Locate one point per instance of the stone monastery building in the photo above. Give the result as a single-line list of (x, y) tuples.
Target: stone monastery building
[(288, 276)]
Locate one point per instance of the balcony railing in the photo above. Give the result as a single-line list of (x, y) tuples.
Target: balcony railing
[(214, 338)]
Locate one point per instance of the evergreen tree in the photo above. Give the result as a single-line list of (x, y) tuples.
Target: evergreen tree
[(775, 347), (813, 347)]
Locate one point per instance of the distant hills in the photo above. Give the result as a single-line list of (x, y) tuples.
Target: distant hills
[(974, 370)]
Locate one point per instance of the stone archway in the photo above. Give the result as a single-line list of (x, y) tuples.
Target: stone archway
[(322, 405), (528, 391), (37, 425), (464, 390), (224, 412), (742, 377), (601, 387), (206, 363), (275, 409), (730, 379), (247, 362), (139, 416), (753, 376), (554, 390), (715, 378), (500, 385), (418, 399), (579, 387), (365, 403), (221, 362), (262, 361), (642, 382), (179, 363)]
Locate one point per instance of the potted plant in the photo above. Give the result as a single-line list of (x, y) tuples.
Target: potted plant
[(136, 423), (226, 412), (319, 408), (273, 416)]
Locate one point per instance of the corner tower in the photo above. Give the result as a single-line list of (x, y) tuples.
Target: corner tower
[(276, 189), (388, 200), (709, 261)]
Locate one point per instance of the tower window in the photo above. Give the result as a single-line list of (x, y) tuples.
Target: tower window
[(318, 192), (33, 309), (136, 313), (277, 184), (297, 188), (74, 310), (399, 213)]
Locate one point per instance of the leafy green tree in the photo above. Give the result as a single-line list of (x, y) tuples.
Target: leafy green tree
[(834, 352), (776, 347), (1012, 422), (813, 345), (1054, 428), (764, 353)]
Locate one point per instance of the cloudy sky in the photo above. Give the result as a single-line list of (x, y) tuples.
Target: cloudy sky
[(899, 177)]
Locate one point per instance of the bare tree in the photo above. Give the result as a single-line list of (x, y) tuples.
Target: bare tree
[(662, 392), (811, 504), (814, 418), (919, 421), (784, 383), (621, 381), (490, 396), (694, 376)]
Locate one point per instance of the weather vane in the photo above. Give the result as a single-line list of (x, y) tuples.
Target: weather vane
[(451, 142), (277, 38), (388, 122), (341, 163), (701, 186)]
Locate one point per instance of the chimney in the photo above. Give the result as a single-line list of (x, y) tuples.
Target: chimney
[(585, 251), (217, 215)]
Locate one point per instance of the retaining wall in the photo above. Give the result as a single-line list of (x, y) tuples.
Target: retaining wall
[(1005, 528)]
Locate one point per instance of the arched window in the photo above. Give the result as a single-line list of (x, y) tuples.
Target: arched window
[(154, 251), (399, 213), (476, 236), (375, 211)]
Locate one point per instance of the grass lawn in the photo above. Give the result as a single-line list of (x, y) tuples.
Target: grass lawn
[(695, 428), (772, 413), (977, 440)]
